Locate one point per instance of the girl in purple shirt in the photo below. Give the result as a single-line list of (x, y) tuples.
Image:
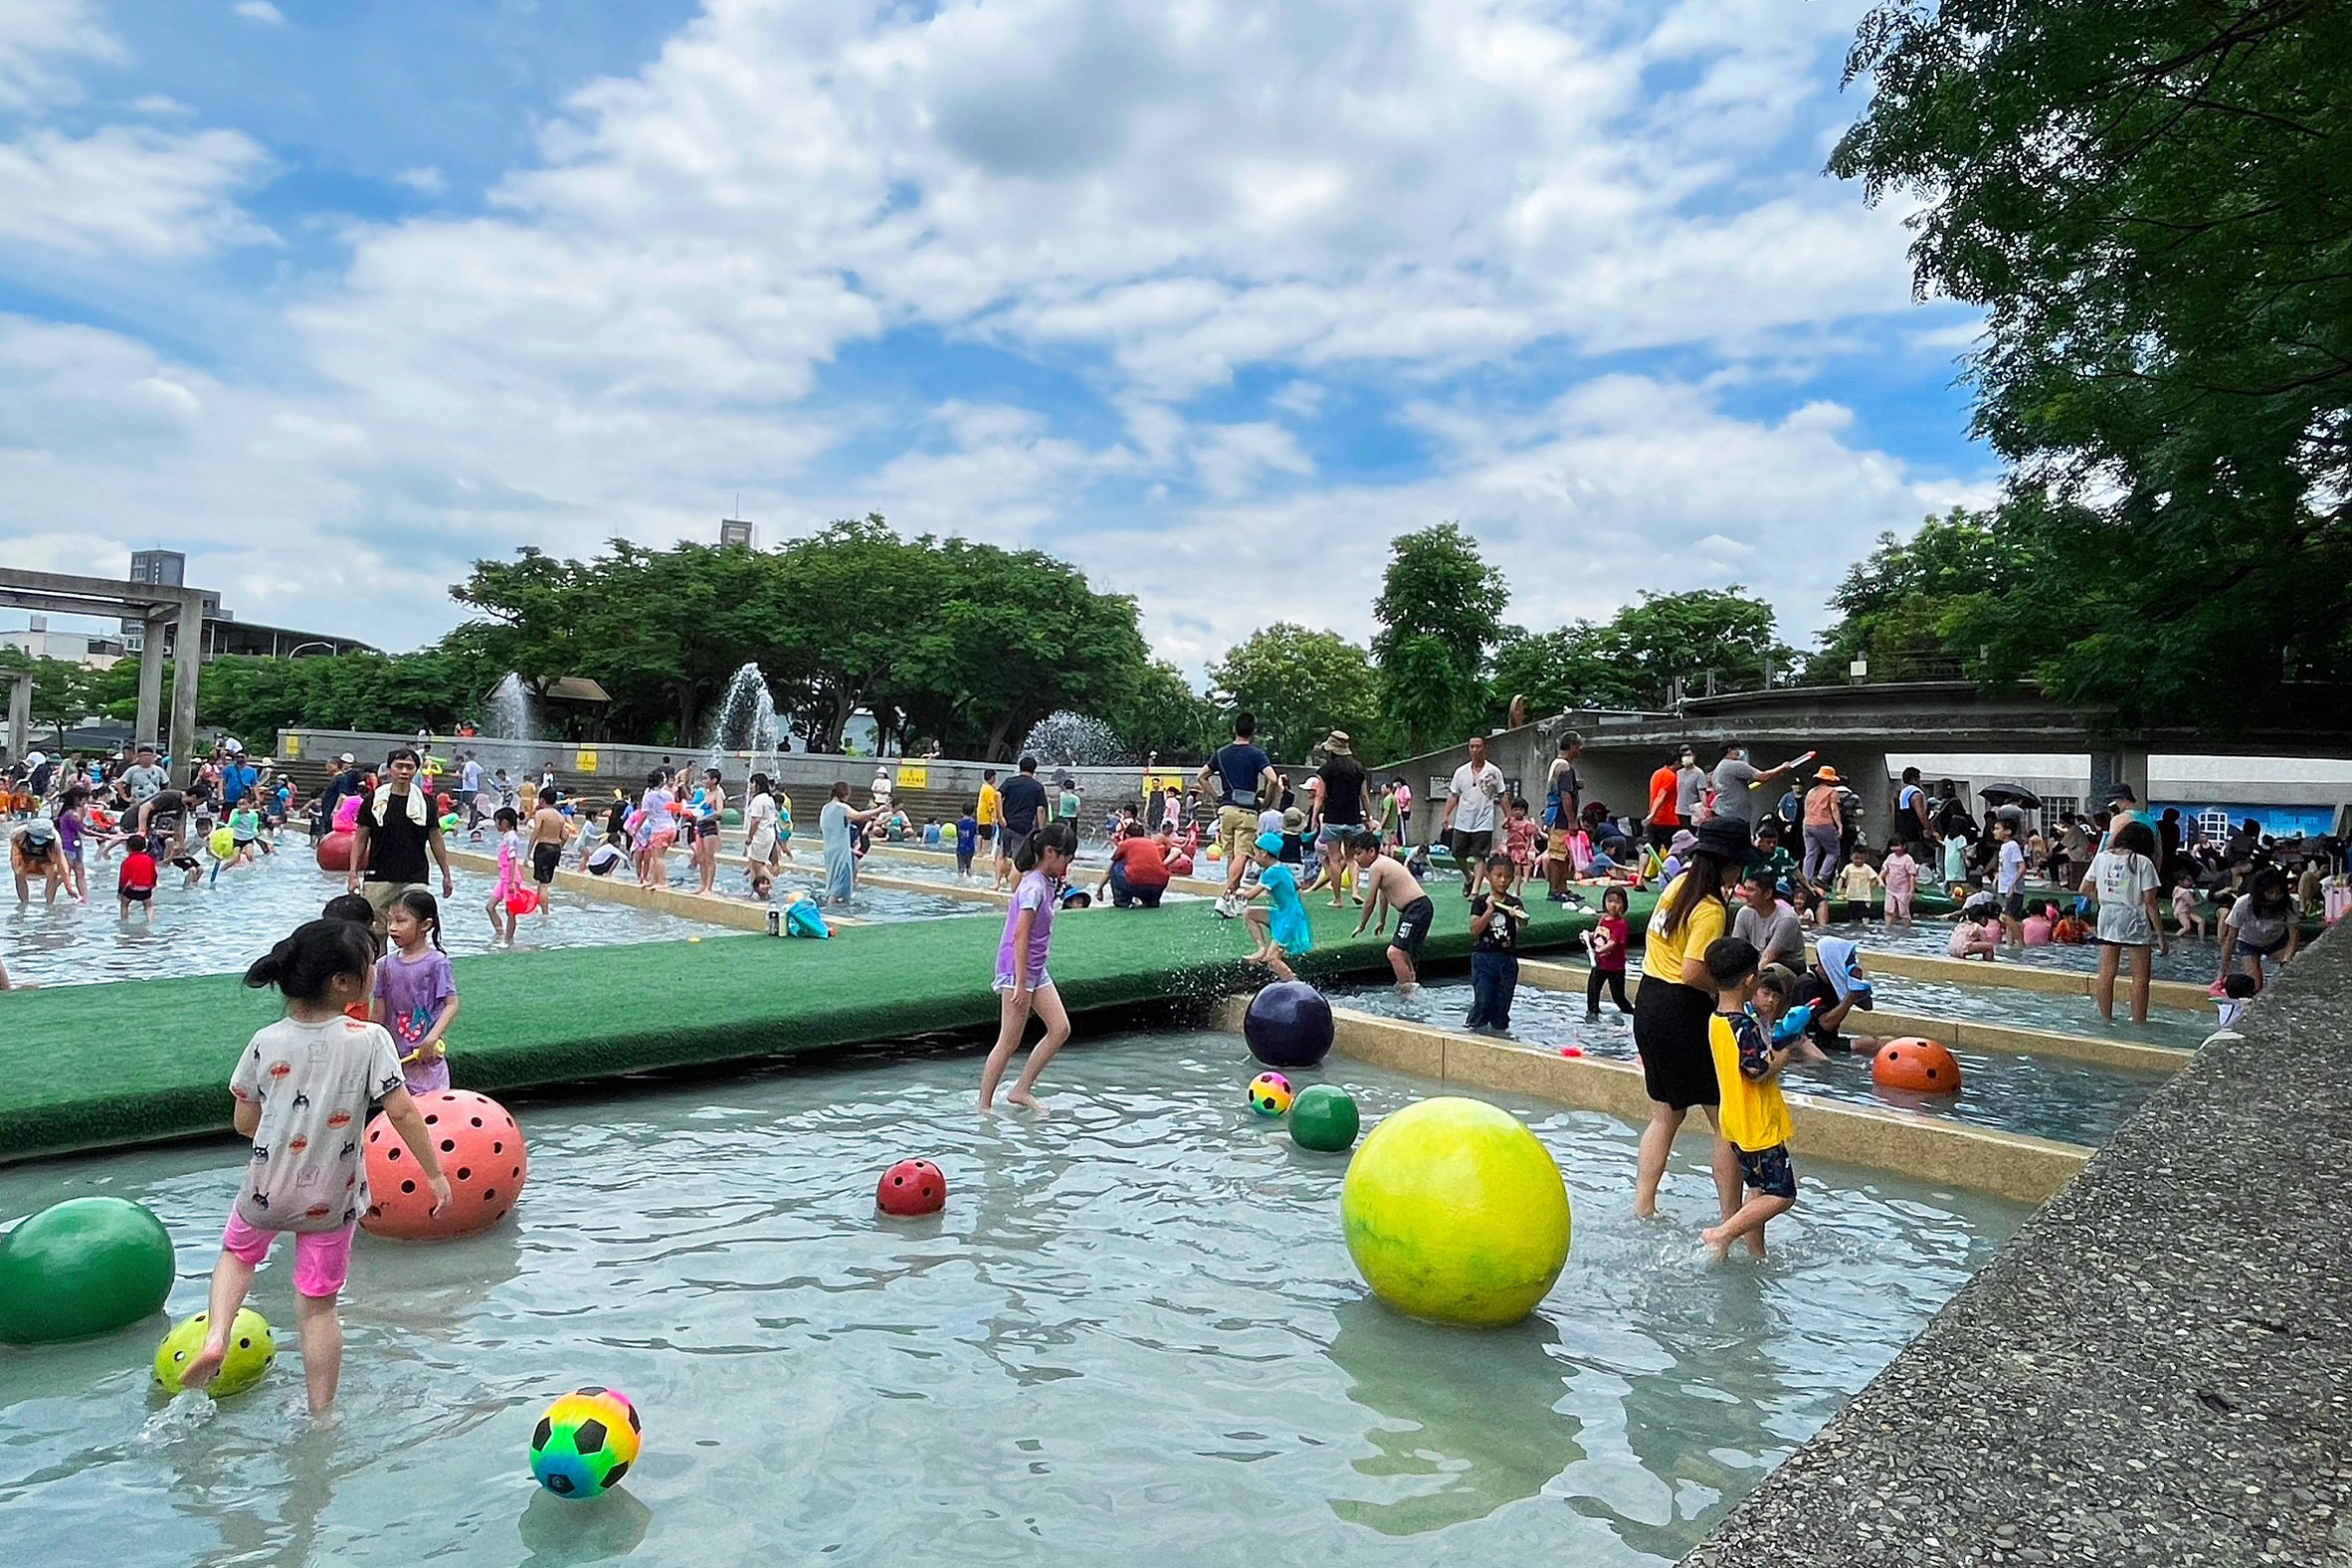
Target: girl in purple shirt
[(416, 993), (1022, 983)]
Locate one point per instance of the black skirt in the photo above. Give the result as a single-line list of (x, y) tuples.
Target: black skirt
[(1671, 1022)]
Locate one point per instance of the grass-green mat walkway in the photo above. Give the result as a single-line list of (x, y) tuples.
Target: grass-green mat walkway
[(99, 1067)]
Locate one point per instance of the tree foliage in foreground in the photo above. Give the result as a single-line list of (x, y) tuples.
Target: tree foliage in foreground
[(2152, 203)]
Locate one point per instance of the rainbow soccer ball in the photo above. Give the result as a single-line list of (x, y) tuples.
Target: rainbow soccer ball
[(585, 1443), (1270, 1094)]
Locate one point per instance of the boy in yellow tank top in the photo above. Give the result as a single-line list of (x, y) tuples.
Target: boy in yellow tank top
[(1753, 1118)]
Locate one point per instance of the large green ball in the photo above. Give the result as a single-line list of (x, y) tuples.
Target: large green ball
[(1456, 1213), (1323, 1119), (252, 1348), (83, 1267)]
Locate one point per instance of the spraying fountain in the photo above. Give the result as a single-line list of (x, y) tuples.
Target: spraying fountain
[(1065, 740), (747, 722), (509, 709)]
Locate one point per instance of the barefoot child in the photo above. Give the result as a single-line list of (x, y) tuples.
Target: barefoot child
[(1754, 1118), (303, 1088), (1606, 942), (135, 884), (1387, 883), (513, 850), (2185, 914), (550, 831), (1902, 875), (416, 995), (1283, 926), (1022, 983), (1497, 918)]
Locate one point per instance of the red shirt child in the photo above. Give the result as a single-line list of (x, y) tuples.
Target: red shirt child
[(1610, 960), (137, 881)]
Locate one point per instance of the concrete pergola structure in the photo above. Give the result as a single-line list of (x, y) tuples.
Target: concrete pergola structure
[(156, 606)]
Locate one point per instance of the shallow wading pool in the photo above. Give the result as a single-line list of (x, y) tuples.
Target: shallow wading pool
[(219, 928), (1134, 1329), (2043, 1096)]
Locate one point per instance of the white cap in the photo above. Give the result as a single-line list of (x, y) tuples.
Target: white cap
[(34, 759), (233, 745)]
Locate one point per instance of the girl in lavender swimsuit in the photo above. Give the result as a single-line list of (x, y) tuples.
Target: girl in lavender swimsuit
[(1022, 983), (416, 995)]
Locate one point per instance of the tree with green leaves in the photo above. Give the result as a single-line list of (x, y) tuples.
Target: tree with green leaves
[(61, 692), (1158, 714), (1568, 666), (1439, 611), (1900, 607), (2149, 201), (1303, 684)]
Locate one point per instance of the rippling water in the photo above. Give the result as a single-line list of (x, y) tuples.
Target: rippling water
[(1136, 1328), (2191, 958), (2045, 1096), (221, 926)]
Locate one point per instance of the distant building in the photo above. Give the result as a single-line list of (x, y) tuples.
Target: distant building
[(734, 530), (223, 632), (36, 640)]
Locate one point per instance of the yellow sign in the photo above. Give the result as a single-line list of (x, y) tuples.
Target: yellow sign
[(584, 762), (294, 745), (1174, 781), (915, 775)]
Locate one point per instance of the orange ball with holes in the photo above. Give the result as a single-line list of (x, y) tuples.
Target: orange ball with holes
[(1920, 1065), (481, 1154)]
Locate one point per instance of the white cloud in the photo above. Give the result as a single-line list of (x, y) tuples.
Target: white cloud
[(1351, 201), (261, 11), (160, 105), (34, 35), (147, 193)]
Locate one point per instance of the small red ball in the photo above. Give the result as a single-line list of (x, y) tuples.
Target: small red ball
[(913, 1187), (333, 852)]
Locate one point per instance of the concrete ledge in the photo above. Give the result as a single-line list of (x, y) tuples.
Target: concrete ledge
[(2152, 1371), (1962, 1032), (2025, 977), (1927, 1148)]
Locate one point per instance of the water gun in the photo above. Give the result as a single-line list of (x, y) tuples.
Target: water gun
[(1793, 1024)]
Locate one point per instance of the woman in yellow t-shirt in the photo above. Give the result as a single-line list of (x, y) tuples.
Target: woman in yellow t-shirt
[(1676, 1006)]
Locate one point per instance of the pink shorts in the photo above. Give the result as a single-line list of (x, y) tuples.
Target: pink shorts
[(323, 1259)]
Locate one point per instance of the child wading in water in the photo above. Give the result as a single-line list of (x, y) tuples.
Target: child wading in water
[(1022, 983), (1754, 1118), (1385, 883), (1497, 918), (1607, 945), (1282, 929), (415, 994), (513, 850), (302, 1088)]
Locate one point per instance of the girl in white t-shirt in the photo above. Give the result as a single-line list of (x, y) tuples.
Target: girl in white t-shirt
[(302, 1088), (2122, 880), (759, 827)]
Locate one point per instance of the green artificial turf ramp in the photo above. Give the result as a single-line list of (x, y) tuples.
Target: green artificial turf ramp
[(101, 1066)]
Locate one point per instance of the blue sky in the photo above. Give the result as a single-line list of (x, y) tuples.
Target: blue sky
[(1212, 299)]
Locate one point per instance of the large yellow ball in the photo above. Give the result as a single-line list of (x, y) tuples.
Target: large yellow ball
[(1455, 1212)]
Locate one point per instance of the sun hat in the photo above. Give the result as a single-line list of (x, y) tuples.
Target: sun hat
[(1826, 774), (1293, 820), (39, 831), (346, 757), (1338, 740), (1270, 843), (34, 759), (1682, 843)]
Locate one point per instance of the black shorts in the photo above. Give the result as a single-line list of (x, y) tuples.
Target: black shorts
[(705, 826), (1413, 922), (987, 832), (136, 894), (1468, 849), (244, 843), (1670, 1025), (1768, 1171), (2013, 906), (544, 859), (963, 859)]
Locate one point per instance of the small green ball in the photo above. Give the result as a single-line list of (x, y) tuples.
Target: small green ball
[(252, 1348), (1324, 1119)]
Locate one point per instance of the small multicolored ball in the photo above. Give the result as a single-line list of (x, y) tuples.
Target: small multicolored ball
[(251, 1350), (1270, 1094), (585, 1443)]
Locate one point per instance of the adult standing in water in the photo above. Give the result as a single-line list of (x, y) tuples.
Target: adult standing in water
[(1023, 801), (398, 829), (1675, 1005), (837, 825)]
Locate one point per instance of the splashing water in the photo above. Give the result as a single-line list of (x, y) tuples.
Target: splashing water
[(1066, 739), (509, 709), (747, 721)]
